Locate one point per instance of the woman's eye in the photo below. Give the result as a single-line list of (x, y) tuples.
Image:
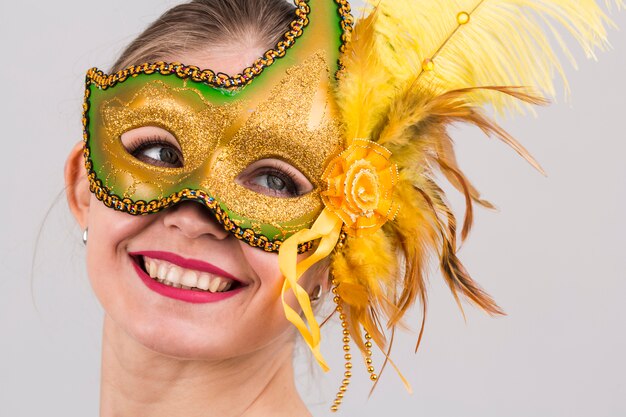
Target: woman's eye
[(275, 178), (153, 145), (276, 182), (158, 154)]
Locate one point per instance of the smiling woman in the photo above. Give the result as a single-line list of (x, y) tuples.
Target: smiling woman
[(244, 156)]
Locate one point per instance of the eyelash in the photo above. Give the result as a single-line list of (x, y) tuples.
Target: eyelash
[(142, 143), (284, 172)]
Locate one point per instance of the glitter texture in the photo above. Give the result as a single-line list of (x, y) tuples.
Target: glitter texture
[(294, 121)]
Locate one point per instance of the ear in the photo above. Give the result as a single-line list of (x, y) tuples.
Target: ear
[(76, 185)]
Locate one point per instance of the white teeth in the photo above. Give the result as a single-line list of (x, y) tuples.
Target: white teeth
[(223, 285), (215, 284), (152, 268), (189, 279), (177, 277), (162, 270), (204, 282), (174, 275)]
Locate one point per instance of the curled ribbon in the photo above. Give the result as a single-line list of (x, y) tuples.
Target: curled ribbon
[(327, 228)]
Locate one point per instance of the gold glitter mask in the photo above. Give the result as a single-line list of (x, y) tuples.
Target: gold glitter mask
[(214, 134)]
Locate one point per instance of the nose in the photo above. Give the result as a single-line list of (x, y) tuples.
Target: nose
[(193, 220)]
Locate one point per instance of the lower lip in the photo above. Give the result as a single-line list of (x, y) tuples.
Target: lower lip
[(189, 296)]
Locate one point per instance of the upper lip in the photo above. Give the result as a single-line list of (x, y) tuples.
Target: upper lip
[(186, 263)]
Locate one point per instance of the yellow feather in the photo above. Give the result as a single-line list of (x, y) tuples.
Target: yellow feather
[(363, 90), (504, 43), (412, 69)]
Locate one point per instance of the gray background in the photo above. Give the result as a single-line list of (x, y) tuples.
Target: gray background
[(552, 255)]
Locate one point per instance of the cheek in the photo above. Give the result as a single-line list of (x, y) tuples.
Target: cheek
[(107, 260), (267, 269)]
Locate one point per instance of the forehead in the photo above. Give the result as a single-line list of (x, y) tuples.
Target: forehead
[(231, 59)]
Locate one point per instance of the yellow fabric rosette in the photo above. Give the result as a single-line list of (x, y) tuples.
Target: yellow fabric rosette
[(359, 199), (360, 183)]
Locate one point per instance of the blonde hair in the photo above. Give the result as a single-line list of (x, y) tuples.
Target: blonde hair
[(202, 24)]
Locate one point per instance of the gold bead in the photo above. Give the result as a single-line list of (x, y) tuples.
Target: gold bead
[(342, 316), (340, 395), (337, 401), (346, 348), (348, 365), (346, 382), (347, 357), (343, 388), (334, 408), (346, 339), (346, 332), (370, 369), (347, 374), (367, 336), (463, 18), (336, 299), (373, 377), (334, 291), (368, 361), (344, 324), (368, 344), (428, 65)]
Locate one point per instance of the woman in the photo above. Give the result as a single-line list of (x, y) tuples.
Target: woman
[(322, 151)]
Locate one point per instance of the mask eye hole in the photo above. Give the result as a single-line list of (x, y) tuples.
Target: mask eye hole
[(274, 178), (153, 145)]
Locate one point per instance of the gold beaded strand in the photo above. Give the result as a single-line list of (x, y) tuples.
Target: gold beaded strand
[(368, 357), (346, 349)]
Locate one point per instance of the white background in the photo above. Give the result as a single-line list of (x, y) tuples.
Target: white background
[(552, 256)]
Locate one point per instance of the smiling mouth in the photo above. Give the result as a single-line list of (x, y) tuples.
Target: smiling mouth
[(175, 276)]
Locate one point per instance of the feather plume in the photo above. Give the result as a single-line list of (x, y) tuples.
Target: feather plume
[(504, 43), (363, 102), (412, 69)]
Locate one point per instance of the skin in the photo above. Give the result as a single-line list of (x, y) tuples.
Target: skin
[(164, 357)]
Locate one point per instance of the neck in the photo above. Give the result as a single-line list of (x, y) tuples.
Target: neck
[(139, 382)]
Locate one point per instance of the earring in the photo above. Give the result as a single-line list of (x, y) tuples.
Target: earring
[(85, 233), (317, 293)]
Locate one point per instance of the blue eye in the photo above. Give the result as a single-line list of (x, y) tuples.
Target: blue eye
[(274, 178), (277, 182)]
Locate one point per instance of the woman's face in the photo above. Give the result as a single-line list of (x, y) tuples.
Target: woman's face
[(136, 263)]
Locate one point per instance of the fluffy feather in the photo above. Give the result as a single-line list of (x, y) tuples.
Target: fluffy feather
[(502, 59), (365, 92), (505, 43)]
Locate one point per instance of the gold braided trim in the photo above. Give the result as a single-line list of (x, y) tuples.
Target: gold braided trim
[(221, 80)]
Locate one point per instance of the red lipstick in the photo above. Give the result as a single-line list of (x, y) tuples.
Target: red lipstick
[(190, 296)]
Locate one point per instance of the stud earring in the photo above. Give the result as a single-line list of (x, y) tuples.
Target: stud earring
[(317, 293), (85, 233)]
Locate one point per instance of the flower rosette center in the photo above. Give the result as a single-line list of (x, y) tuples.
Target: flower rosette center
[(359, 187)]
